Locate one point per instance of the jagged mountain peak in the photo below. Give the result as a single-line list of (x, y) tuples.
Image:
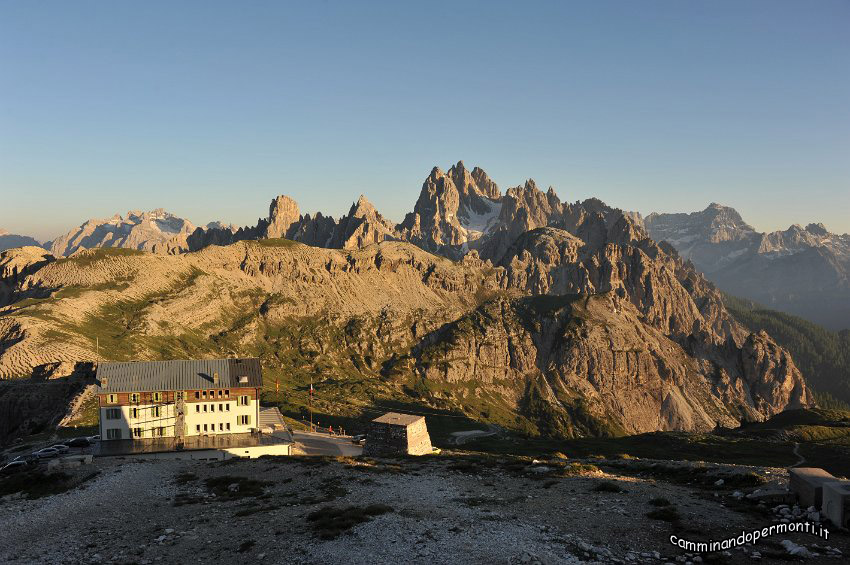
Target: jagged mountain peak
[(362, 208), (817, 229), (804, 271)]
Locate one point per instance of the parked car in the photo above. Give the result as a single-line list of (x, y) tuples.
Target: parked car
[(45, 453), (14, 467), (93, 439), (359, 439), (61, 448), (78, 442)]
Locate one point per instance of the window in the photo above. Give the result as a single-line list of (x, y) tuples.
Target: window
[(197, 407), (197, 395), (212, 407), (180, 395), (205, 427), (160, 432), (205, 407), (227, 393), (219, 393), (205, 394), (221, 407), (220, 427), (245, 420), (134, 412), (228, 426), (111, 398), (137, 432), (113, 433), (113, 413), (243, 400), (212, 394), (157, 397), (198, 428), (155, 411), (135, 397), (228, 407)]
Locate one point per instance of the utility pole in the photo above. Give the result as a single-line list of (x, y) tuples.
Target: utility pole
[(311, 403)]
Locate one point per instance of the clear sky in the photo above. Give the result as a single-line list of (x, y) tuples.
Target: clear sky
[(209, 109)]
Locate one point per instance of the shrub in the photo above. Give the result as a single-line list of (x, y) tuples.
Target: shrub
[(665, 513), (607, 486), (220, 486), (35, 484), (329, 522), (184, 478)]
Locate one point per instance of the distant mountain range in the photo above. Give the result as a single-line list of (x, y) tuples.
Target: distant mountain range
[(549, 317), (10, 240), (156, 231), (803, 271)]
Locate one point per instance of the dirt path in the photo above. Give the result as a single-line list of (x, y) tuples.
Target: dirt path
[(461, 438), (801, 459), (76, 405)]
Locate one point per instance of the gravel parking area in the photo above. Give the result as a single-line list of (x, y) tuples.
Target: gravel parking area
[(429, 510)]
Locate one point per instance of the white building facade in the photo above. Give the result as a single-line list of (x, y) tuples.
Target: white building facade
[(178, 399)]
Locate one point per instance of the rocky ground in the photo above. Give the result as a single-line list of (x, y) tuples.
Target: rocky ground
[(444, 509)]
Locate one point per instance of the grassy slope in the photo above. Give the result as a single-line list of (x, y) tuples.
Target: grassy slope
[(823, 437)]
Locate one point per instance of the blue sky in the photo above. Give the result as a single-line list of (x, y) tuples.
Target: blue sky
[(209, 109)]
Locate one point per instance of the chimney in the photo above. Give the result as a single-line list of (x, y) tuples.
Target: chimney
[(215, 378), (103, 382)]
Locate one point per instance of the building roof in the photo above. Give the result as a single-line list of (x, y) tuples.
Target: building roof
[(193, 374), (396, 419)]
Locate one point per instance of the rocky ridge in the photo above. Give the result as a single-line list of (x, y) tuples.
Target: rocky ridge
[(157, 231), (804, 271), (11, 240), (560, 338)]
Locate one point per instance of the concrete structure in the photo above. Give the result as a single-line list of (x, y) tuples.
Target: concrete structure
[(271, 420), (143, 400), (220, 446), (807, 484), (397, 434), (836, 503)]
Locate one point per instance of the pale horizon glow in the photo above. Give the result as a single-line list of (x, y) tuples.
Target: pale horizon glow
[(209, 109)]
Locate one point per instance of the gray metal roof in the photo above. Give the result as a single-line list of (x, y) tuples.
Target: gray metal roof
[(194, 374), (396, 419)]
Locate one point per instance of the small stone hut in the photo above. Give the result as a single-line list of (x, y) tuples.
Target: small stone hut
[(397, 434)]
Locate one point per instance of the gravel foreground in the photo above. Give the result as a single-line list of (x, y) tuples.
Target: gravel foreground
[(434, 510)]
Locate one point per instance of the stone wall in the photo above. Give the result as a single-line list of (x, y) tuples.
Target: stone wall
[(393, 439), (418, 440)]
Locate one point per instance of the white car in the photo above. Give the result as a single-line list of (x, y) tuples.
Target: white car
[(61, 448), (13, 467), (46, 453)]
